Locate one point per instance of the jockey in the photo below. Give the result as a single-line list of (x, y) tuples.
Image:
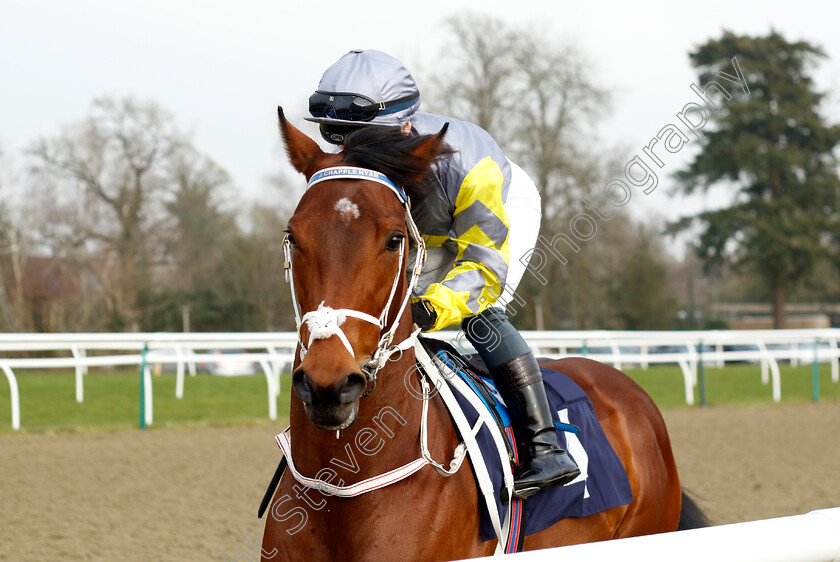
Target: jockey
[(483, 216)]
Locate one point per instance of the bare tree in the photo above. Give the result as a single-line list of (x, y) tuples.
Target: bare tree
[(538, 100), (109, 171), (476, 74), (11, 244), (542, 104), (556, 126), (201, 218), (252, 278)]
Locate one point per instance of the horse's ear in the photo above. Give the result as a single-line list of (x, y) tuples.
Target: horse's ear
[(433, 147), (303, 152)]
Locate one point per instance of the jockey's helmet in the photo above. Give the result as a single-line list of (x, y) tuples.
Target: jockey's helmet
[(363, 88)]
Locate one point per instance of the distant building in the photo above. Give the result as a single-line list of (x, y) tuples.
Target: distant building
[(759, 316)]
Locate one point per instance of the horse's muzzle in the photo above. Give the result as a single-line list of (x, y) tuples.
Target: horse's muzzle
[(330, 407)]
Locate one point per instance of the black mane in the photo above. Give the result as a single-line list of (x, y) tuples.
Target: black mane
[(388, 151)]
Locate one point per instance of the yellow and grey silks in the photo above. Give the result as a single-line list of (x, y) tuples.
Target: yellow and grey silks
[(463, 223)]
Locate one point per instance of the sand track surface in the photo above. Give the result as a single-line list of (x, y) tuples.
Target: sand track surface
[(192, 494)]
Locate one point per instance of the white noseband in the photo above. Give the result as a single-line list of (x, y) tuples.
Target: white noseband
[(326, 322)]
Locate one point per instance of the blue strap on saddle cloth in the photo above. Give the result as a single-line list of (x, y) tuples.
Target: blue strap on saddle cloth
[(603, 481)]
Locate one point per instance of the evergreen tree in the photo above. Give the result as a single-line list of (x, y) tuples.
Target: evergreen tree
[(774, 151)]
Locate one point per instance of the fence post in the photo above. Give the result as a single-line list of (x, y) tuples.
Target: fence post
[(815, 372), (14, 395), (143, 388), (701, 376), (80, 372)]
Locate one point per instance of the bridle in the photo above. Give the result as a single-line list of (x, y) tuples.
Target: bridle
[(325, 322)]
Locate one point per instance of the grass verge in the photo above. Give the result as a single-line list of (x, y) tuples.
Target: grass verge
[(112, 398), (735, 385), (112, 401)]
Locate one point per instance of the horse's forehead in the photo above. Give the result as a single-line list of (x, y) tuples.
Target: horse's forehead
[(349, 200)]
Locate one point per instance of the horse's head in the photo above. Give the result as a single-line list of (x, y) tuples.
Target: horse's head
[(348, 249)]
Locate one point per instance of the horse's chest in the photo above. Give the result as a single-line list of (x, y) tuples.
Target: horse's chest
[(425, 517)]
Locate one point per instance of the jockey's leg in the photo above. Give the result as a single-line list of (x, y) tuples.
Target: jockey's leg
[(517, 376)]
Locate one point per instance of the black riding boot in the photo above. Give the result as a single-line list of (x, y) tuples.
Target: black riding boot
[(545, 464)]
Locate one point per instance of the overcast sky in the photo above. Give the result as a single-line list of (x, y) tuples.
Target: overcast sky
[(222, 67)]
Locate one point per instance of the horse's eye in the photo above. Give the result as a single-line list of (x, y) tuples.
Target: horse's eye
[(394, 242), (291, 239)]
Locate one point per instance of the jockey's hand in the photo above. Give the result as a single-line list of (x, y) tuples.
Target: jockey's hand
[(424, 314)]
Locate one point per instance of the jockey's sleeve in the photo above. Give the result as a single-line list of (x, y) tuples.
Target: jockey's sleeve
[(480, 230)]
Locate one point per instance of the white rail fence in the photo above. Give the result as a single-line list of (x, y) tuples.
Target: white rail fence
[(687, 349), (812, 537), (272, 351)]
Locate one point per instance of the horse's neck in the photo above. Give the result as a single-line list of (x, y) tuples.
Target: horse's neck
[(383, 437)]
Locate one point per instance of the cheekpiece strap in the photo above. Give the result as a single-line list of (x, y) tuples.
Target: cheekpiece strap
[(350, 172)]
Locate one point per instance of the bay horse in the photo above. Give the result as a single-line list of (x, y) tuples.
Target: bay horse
[(346, 240)]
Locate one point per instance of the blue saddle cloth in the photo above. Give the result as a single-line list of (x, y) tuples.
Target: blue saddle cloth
[(603, 481)]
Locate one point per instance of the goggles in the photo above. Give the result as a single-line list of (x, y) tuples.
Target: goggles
[(354, 107)]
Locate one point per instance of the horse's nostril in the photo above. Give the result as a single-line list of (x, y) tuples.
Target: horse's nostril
[(346, 392), (351, 388), (302, 386)]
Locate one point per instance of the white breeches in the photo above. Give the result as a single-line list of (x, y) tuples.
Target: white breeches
[(524, 213)]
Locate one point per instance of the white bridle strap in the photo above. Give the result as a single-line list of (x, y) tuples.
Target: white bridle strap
[(326, 322), (353, 173), (353, 490), (390, 477), (383, 318)]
